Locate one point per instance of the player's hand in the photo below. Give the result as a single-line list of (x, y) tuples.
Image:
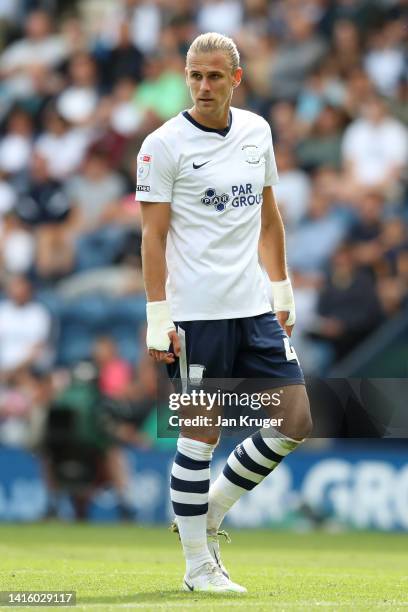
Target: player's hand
[(282, 317), (166, 356), (161, 332), (284, 304)]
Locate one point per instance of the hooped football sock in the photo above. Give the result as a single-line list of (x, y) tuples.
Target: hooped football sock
[(190, 481), (248, 464)]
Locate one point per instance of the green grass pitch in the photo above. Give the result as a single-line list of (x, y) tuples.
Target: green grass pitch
[(122, 566)]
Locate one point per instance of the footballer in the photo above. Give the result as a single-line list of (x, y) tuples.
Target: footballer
[(210, 224)]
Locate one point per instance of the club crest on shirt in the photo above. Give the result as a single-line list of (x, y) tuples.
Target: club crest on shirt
[(143, 165), (252, 154)]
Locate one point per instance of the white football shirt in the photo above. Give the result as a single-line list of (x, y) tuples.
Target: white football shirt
[(213, 180)]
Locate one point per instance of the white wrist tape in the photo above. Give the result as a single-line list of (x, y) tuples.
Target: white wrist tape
[(159, 324), (283, 299)]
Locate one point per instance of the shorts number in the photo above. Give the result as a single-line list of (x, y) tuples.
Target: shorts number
[(290, 351)]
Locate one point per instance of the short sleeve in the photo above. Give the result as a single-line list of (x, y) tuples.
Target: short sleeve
[(155, 171), (271, 172)]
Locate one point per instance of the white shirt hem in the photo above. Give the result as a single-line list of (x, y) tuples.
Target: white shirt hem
[(204, 316)]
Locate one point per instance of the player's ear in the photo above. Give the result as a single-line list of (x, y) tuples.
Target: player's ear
[(236, 79), (187, 77)]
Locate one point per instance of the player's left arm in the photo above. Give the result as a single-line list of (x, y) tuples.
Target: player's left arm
[(273, 257)]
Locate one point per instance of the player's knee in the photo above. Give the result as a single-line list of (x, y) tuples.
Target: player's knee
[(212, 440), (305, 422), (208, 439), (306, 427), (300, 423)]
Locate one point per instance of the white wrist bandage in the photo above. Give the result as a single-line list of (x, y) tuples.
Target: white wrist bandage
[(283, 299), (159, 324)]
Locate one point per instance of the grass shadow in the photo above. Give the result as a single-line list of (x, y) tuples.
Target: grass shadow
[(154, 597)]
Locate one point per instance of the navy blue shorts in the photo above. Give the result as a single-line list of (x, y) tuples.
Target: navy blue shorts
[(246, 348)]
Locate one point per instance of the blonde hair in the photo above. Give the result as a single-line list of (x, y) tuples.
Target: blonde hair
[(212, 41)]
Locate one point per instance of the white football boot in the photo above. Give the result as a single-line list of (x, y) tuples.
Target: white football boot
[(213, 545), (209, 578)]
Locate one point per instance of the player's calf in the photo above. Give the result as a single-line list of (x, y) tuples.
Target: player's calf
[(189, 485), (257, 457)]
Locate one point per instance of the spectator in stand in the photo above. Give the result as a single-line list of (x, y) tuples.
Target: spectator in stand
[(385, 60), (78, 102), (62, 146), (146, 20), (40, 44), (375, 148), (257, 48), (25, 330), (104, 19), (124, 60), (74, 34), (14, 239), (23, 410), (74, 444), (293, 190), (394, 241), (401, 276), (358, 88), (315, 356), (365, 232), (180, 30), (392, 283), (126, 117), (317, 92), (92, 190), (128, 397), (321, 231), (122, 413), (17, 246), (114, 373), (16, 144), (257, 17), (45, 207), (8, 197), (14, 416), (322, 146), (298, 55), (359, 12), (91, 193), (41, 47), (398, 106), (346, 46), (220, 15), (163, 89), (393, 294), (285, 126), (121, 123), (348, 304)]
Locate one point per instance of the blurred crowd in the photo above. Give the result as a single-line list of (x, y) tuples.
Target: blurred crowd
[(82, 83)]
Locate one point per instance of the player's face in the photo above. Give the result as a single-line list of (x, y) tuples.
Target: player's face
[(211, 82)]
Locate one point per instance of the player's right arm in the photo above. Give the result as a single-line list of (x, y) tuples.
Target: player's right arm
[(155, 226), (156, 172), (160, 327)]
